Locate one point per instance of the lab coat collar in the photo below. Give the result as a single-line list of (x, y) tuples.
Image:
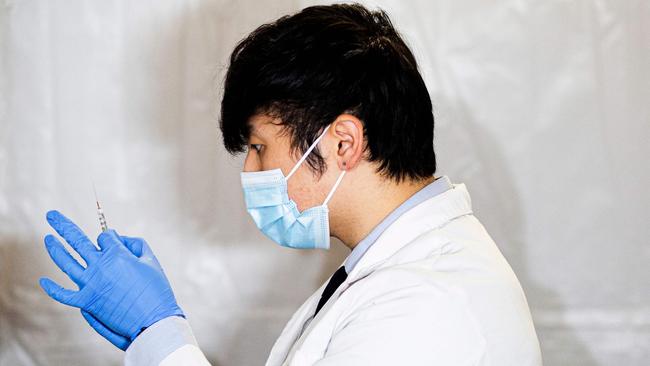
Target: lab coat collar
[(426, 216), (392, 246)]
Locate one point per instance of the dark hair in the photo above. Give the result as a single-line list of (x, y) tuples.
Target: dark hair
[(308, 68)]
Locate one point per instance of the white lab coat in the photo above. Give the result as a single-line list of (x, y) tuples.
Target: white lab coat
[(434, 289)]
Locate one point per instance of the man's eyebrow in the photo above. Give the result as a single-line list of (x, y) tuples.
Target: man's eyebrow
[(257, 127), (254, 131)]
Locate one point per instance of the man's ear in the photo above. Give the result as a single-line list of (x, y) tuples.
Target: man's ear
[(348, 131)]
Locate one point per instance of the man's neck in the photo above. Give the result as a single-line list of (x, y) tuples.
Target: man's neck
[(365, 211)]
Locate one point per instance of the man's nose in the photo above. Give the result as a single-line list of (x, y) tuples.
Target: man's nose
[(252, 162)]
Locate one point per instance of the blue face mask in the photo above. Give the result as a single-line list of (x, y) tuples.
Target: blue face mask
[(277, 215)]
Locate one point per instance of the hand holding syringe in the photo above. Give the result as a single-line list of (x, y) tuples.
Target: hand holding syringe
[(122, 289)]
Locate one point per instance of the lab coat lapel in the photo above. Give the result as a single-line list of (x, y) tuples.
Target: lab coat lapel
[(293, 329)]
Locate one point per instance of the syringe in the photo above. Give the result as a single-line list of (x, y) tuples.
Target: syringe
[(100, 212)]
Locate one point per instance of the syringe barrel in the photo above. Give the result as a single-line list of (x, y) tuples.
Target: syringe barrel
[(102, 220)]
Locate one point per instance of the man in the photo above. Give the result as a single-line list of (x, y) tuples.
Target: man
[(338, 126)]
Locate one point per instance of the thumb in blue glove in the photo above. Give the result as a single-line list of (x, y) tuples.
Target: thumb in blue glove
[(122, 290), (136, 246)]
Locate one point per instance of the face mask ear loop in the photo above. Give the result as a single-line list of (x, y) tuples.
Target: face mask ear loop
[(334, 188), (304, 156)]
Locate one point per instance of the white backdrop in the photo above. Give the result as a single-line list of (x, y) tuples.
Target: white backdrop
[(541, 109)]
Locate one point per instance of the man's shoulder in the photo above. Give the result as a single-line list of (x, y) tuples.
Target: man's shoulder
[(443, 268)]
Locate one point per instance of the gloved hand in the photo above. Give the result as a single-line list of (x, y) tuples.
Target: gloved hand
[(122, 290)]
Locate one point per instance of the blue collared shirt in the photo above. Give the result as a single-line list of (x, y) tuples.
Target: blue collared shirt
[(441, 184)]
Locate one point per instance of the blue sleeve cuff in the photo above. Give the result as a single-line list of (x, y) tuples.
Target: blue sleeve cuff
[(160, 339)]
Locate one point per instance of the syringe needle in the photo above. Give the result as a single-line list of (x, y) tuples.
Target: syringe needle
[(95, 191)]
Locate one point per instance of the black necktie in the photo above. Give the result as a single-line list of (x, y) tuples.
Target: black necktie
[(337, 279)]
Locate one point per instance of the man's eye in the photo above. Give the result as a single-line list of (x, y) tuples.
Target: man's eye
[(257, 147)]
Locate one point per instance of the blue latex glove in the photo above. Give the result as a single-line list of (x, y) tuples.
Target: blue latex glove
[(122, 290)]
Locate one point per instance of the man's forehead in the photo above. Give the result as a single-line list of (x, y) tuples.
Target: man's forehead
[(260, 124)]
